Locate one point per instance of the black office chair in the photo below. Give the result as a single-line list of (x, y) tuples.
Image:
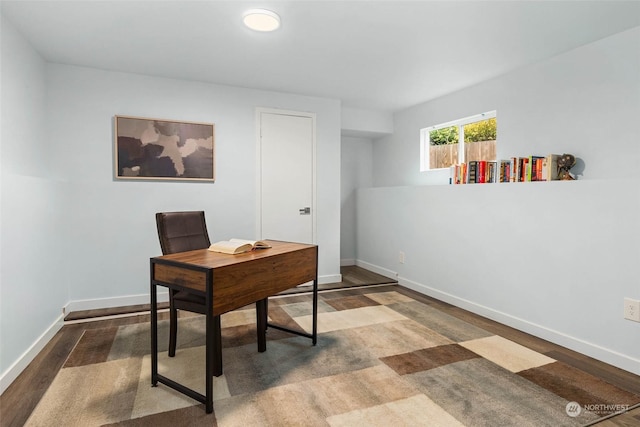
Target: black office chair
[(181, 232)]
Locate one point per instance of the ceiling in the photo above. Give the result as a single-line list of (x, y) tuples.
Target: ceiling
[(376, 55)]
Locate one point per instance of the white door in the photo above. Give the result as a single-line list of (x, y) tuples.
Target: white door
[(287, 175)]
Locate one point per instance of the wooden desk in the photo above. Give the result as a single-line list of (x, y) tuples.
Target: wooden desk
[(229, 282)]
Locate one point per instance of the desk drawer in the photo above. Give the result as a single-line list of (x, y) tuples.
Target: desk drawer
[(180, 276), (240, 284)]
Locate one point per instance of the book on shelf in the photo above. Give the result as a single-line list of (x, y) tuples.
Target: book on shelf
[(492, 172), (514, 170), (238, 246), (535, 168), (523, 169), (550, 167), (504, 171), (472, 176), (481, 172), (458, 174)]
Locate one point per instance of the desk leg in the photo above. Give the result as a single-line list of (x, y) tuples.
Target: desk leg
[(154, 334), (217, 347), (262, 307), (213, 355), (314, 332)]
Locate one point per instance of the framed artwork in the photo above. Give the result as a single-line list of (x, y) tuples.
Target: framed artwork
[(163, 149)]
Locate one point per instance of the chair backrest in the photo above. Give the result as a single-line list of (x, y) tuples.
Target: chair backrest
[(182, 231)]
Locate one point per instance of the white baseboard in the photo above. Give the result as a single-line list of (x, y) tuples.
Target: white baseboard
[(323, 280), (611, 357), (27, 357), (97, 303), (163, 296), (347, 262), (376, 269), (329, 278)]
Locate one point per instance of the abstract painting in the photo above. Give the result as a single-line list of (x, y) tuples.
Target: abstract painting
[(163, 149)]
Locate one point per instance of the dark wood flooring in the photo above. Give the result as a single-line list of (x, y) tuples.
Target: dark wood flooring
[(22, 396)]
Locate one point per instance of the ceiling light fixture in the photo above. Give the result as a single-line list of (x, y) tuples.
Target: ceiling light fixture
[(261, 20)]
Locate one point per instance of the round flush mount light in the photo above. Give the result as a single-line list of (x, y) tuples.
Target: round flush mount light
[(261, 20)]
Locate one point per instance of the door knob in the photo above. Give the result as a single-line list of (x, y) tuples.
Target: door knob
[(305, 211)]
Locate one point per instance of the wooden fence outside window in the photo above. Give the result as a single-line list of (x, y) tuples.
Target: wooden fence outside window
[(443, 156)]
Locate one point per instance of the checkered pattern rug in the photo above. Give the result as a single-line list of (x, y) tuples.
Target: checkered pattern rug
[(382, 359)]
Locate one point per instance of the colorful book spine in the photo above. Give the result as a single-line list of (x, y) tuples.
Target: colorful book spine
[(492, 168), (481, 174), (505, 171), (473, 172), (552, 167), (523, 169)]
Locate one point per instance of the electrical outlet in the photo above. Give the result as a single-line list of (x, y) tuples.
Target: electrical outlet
[(632, 309), (401, 257)]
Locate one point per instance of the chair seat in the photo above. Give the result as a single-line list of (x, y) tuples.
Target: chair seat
[(186, 301)]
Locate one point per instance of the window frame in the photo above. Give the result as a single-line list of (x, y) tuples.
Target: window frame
[(425, 142)]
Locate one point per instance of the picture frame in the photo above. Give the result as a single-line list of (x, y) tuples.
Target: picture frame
[(158, 149)]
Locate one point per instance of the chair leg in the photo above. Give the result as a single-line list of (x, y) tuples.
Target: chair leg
[(262, 309), (173, 329)]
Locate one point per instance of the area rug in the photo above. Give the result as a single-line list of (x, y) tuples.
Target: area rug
[(382, 359)]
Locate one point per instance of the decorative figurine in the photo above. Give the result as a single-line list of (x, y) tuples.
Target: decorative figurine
[(566, 162)]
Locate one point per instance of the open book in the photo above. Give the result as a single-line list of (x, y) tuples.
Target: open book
[(238, 246)]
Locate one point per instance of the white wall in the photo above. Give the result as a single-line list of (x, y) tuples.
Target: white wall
[(355, 173), (111, 223), (554, 259), (32, 284), (357, 122)]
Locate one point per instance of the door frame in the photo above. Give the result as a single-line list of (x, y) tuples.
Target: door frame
[(258, 127)]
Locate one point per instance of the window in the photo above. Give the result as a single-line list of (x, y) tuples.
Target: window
[(439, 147)]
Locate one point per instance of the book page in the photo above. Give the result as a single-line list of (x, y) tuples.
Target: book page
[(229, 247), (257, 244), (243, 241)]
